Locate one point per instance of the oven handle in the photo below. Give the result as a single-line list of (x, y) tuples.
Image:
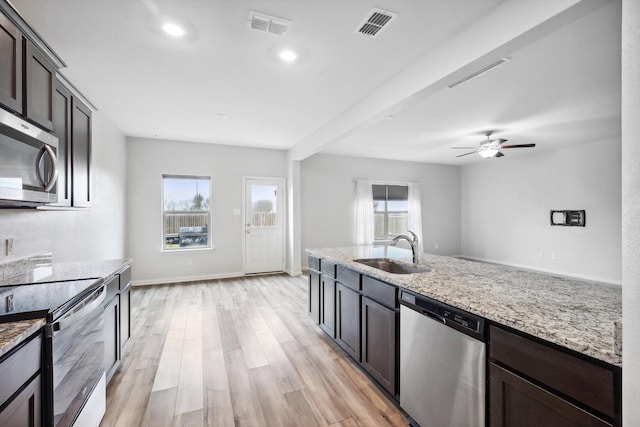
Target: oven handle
[(87, 305), (54, 161)]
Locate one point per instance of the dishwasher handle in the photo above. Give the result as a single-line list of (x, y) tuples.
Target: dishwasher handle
[(435, 317)]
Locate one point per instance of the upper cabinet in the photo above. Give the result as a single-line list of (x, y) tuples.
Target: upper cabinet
[(10, 65), (81, 153), (31, 87), (27, 76), (39, 81)]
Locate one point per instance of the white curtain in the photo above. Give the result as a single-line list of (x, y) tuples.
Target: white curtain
[(415, 214), (364, 213)]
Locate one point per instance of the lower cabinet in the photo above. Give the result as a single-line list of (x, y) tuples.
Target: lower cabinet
[(518, 402), (125, 316), (380, 343), (111, 336), (348, 320), (535, 384), (21, 385), (314, 296), (26, 408), (361, 315)]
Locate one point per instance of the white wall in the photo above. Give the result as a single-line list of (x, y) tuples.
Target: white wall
[(91, 234), (506, 204), (631, 211), (148, 159), (328, 190)]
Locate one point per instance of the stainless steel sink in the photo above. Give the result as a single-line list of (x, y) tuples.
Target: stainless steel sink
[(391, 266)]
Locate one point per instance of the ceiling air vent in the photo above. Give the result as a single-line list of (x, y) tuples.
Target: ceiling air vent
[(268, 24), (374, 22)]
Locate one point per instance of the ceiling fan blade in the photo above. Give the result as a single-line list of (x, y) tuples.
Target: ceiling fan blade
[(466, 154), (519, 146), (466, 148), (499, 154)]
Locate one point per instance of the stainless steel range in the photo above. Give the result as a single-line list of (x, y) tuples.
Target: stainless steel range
[(73, 368)]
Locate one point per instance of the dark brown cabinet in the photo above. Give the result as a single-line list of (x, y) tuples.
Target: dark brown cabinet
[(532, 384), (80, 153), (516, 402), (10, 65), (62, 130), (21, 386), (348, 320), (112, 326), (39, 86), (314, 296), (380, 343), (328, 305), (125, 307)]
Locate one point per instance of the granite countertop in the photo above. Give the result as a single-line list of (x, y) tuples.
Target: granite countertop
[(13, 333), (45, 270), (577, 314)]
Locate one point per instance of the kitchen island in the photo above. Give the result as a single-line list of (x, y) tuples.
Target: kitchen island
[(574, 313), (553, 342)]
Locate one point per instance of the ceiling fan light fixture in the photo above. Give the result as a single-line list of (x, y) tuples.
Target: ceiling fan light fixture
[(488, 153)]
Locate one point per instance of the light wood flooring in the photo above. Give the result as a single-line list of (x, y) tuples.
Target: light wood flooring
[(238, 352)]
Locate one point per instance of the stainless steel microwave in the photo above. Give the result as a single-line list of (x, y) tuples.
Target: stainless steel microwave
[(28, 163)]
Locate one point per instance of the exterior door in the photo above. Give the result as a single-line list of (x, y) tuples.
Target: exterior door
[(263, 225)]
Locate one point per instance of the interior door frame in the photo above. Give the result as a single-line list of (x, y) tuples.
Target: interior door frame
[(283, 181)]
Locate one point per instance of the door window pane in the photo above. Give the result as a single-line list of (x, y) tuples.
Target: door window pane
[(263, 206)]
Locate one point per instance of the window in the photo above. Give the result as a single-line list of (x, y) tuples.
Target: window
[(186, 214), (390, 210)]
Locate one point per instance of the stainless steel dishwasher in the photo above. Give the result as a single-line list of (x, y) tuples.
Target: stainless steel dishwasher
[(442, 363)]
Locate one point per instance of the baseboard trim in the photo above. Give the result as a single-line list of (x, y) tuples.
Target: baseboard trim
[(544, 270), (159, 281)]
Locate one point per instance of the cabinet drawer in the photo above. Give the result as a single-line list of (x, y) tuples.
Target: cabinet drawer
[(314, 263), (381, 292), (16, 369), (570, 375), (328, 268), (348, 277), (125, 277)]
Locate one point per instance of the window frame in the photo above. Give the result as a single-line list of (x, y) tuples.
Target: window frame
[(387, 238), (181, 249)]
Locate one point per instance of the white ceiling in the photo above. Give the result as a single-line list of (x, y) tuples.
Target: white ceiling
[(561, 86)]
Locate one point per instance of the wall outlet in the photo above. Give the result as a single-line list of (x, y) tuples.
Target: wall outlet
[(554, 256), (9, 303), (189, 261), (9, 246)]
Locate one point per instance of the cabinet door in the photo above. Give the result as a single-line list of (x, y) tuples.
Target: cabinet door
[(26, 408), (348, 320), (380, 343), (62, 130), (10, 65), (111, 337), (515, 401), (39, 87), (328, 305), (81, 153), (125, 317), (314, 296)]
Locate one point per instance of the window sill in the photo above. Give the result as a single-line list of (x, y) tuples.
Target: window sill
[(187, 250)]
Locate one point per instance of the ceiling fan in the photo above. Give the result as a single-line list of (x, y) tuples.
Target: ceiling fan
[(491, 147)]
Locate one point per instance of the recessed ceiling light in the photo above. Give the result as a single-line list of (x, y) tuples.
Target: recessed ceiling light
[(174, 30), (288, 55)]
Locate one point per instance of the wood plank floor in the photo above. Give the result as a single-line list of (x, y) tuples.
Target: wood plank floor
[(237, 352)]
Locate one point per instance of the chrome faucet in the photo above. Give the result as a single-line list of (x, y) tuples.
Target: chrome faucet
[(413, 242)]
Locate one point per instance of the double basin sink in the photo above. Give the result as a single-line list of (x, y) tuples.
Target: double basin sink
[(391, 266)]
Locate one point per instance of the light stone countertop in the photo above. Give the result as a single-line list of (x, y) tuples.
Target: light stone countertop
[(573, 313), (48, 271)]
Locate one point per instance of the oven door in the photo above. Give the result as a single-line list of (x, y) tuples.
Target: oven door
[(28, 163), (77, 358)]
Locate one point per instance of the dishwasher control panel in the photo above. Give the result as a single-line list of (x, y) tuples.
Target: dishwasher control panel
[(448, 315)]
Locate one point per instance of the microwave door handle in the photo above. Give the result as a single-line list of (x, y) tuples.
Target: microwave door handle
[(54, 162)]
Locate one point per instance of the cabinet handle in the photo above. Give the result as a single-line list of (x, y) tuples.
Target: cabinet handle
[(54, 162)]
